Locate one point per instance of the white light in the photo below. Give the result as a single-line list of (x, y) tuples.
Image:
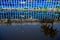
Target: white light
[(22, 15), (31, 0), (22, 2)]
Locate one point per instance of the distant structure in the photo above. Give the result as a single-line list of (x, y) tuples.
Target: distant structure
[(28, 3), (25, 4)]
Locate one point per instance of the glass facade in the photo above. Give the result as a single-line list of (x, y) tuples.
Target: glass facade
[(7, 14), (28, 3)]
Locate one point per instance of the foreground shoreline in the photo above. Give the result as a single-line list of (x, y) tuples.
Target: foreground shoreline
[(27, 21)]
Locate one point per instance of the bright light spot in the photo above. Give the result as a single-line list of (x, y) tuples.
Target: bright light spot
[(49, 0), (22, 15), (31, 0), (22, 2)]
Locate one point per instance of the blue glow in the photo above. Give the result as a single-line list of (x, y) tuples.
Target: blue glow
[(28, 4)]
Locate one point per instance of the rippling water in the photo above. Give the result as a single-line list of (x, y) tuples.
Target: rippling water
[(27, 31)]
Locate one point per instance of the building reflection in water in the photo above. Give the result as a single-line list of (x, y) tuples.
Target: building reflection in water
[(48, 30)]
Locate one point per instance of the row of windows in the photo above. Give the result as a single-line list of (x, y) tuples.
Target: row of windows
[(17, 2), (13, 3), (17, 16), (29, 0), (28, 4)]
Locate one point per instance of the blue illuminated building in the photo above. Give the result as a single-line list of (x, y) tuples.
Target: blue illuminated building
[(28, 3)]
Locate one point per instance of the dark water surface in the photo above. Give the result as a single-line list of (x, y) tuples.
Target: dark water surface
[(27, 31)]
